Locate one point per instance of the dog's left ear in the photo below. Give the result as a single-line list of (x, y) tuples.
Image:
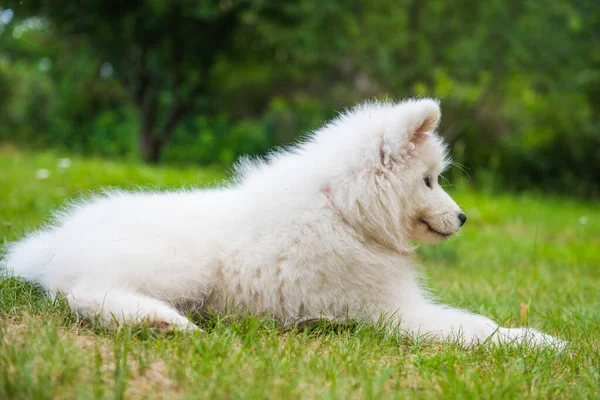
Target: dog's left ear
[(422, 116)]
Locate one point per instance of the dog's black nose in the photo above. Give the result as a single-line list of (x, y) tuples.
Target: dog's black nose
[(462, 218)]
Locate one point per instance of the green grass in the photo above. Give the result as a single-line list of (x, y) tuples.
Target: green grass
[(520, 259)]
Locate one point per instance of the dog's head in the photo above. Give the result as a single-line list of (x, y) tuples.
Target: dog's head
[(434, 216), (401, 200), (415, 162)]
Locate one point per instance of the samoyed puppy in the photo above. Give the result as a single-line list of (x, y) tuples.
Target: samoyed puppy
[(324, 229)]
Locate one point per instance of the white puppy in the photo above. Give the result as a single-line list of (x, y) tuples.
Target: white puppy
[(323, 229)]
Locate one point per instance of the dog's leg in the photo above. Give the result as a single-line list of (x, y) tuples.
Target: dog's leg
[(117, 306), (446, 323)]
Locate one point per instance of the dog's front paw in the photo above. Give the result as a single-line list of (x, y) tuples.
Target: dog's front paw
[(527, 337), (173, 322)]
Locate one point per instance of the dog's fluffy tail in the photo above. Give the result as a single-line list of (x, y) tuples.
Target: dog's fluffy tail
[(27, 258)]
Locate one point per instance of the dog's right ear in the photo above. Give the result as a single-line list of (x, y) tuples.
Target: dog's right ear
[(415, 119), (421, 116)]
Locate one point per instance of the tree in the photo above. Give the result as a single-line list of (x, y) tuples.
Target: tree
[(162, 52), (212, 80)]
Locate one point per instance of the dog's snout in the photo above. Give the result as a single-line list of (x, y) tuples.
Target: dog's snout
[(462, 218)]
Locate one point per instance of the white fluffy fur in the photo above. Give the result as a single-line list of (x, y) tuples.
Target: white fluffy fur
[(323, 229)]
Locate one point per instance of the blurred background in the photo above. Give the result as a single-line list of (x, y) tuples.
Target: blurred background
[(202, 82)]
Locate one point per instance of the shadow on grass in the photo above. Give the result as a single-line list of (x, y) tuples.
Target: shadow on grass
[(18, 297)]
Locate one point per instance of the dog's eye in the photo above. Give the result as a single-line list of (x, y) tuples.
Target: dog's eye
[(427, 182)]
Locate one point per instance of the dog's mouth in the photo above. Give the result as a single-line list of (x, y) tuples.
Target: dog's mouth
[(434, 231)]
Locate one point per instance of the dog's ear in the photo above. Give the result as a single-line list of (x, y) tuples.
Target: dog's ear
[(414, 120), (422, 116)]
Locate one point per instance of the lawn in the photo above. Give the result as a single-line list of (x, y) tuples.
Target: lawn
[(521, 259)]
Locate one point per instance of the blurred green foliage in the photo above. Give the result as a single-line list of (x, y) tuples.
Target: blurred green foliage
[(201, 81)]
